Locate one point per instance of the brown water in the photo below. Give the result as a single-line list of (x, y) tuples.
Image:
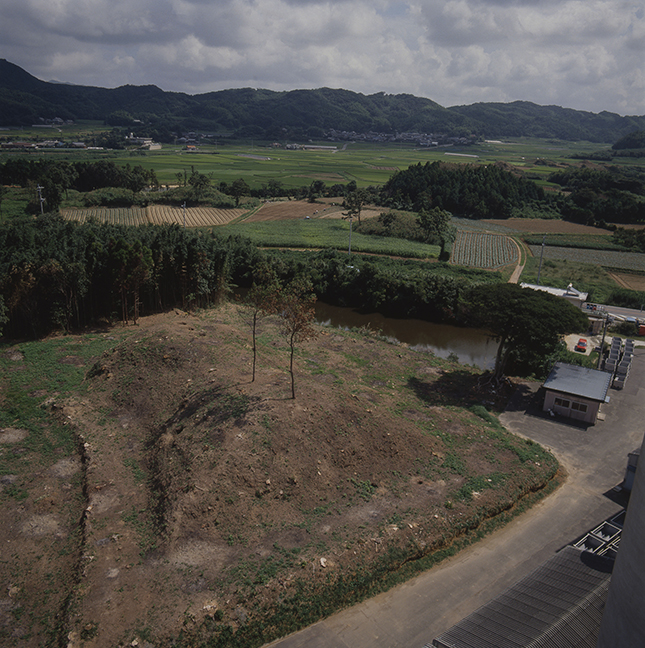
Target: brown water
[(471, 346)]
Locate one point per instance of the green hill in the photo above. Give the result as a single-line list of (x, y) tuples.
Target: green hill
[(252, 113)]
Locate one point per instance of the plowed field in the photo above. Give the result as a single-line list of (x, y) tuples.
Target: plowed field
[(298, 209), (156, 215)]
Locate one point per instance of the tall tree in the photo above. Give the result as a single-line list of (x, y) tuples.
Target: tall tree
[(199, 182), (295, 305), (437, 227), (239, 188), (524, 321), (354, 203)]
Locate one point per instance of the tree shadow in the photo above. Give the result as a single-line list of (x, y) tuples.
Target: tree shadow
[(457, 387)]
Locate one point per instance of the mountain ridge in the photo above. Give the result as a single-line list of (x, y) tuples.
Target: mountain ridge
[(261, 113)]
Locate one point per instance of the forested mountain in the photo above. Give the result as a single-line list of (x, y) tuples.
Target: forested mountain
[(267, 114)]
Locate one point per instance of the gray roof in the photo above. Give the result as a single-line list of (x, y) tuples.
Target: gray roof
[(559, 605), (579, 381)]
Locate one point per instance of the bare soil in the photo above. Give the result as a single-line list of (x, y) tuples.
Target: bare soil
[(627, 280), (299, 209), (196, 498)]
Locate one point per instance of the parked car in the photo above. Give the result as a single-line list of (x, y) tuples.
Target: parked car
[(581, 346)]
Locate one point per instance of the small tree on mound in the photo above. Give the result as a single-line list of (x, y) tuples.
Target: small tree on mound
[(295, 305), (262, 301)]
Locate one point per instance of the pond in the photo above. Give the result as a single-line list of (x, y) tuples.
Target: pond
[(471, 346)]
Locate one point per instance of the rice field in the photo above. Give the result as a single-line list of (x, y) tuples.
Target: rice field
[(483, 250), (621, 260), (155, 215)]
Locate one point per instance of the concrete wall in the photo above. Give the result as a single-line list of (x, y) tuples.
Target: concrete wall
[(589, 416), (623, 622)]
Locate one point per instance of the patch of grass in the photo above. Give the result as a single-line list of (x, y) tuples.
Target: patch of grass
[(454, 463), (139, 520), (139, 474), (331, 233)]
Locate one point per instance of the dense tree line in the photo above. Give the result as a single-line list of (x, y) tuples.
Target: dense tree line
[(599, 196), (58, 177), (633, 140), (394, 288), (593, 196), (61, 275), (467, 190), (56, 274)]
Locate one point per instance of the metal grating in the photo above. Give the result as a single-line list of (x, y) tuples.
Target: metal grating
[(559, 605)]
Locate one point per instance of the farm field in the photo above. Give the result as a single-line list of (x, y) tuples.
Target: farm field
[(546, 226), (483, 250), (366, 163), (605, 258), (629, 281), (319, 233), (155, 215), (303, 209)]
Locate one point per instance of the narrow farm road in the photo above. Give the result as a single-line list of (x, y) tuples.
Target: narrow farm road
[(517, 273)]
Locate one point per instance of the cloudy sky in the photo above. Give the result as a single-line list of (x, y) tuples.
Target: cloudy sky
[(582, 54)]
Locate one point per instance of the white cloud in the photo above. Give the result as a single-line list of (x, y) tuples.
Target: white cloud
[(582, 54)]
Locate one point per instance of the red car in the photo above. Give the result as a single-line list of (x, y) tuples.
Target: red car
[(581, 346)]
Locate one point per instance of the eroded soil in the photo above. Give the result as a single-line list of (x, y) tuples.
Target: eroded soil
[(193, 498)]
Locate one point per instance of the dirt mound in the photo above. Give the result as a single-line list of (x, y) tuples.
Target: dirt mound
[(210, 498)]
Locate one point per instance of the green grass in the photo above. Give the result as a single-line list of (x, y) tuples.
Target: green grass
[(585, 241), (365, 163), (585, 277), (44, 370), (319, 234)]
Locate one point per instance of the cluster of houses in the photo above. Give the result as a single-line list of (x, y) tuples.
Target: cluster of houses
[(46, 144), (420, 139)]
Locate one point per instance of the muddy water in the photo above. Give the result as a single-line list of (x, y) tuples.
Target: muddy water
[(471, 346)]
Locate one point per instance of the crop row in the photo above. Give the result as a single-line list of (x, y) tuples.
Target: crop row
[(483, 250), (156, 214), (116, 216), (605, 258)]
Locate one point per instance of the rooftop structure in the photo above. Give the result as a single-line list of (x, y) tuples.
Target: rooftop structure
[(572, 295), (559, 605)]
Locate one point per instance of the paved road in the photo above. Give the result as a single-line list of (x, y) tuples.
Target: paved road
[(414, 613)]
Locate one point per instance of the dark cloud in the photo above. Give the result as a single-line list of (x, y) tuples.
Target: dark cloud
[(584, 54)]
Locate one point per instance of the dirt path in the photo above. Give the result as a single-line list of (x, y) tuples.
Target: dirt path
[(517, 273)]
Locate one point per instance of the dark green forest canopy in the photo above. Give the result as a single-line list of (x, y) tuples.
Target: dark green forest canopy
[(467, 190), (635, 140)]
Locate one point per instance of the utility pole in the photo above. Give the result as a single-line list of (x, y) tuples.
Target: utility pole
[(349, 253), (184, 206), (541, 255), (602, 344), (40, 198)]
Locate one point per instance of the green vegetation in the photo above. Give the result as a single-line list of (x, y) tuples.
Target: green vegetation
[(319, 234), (528, 324)]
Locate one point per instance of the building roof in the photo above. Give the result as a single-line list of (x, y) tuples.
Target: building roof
[(579, 381), (569, 293), (559, 605)]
